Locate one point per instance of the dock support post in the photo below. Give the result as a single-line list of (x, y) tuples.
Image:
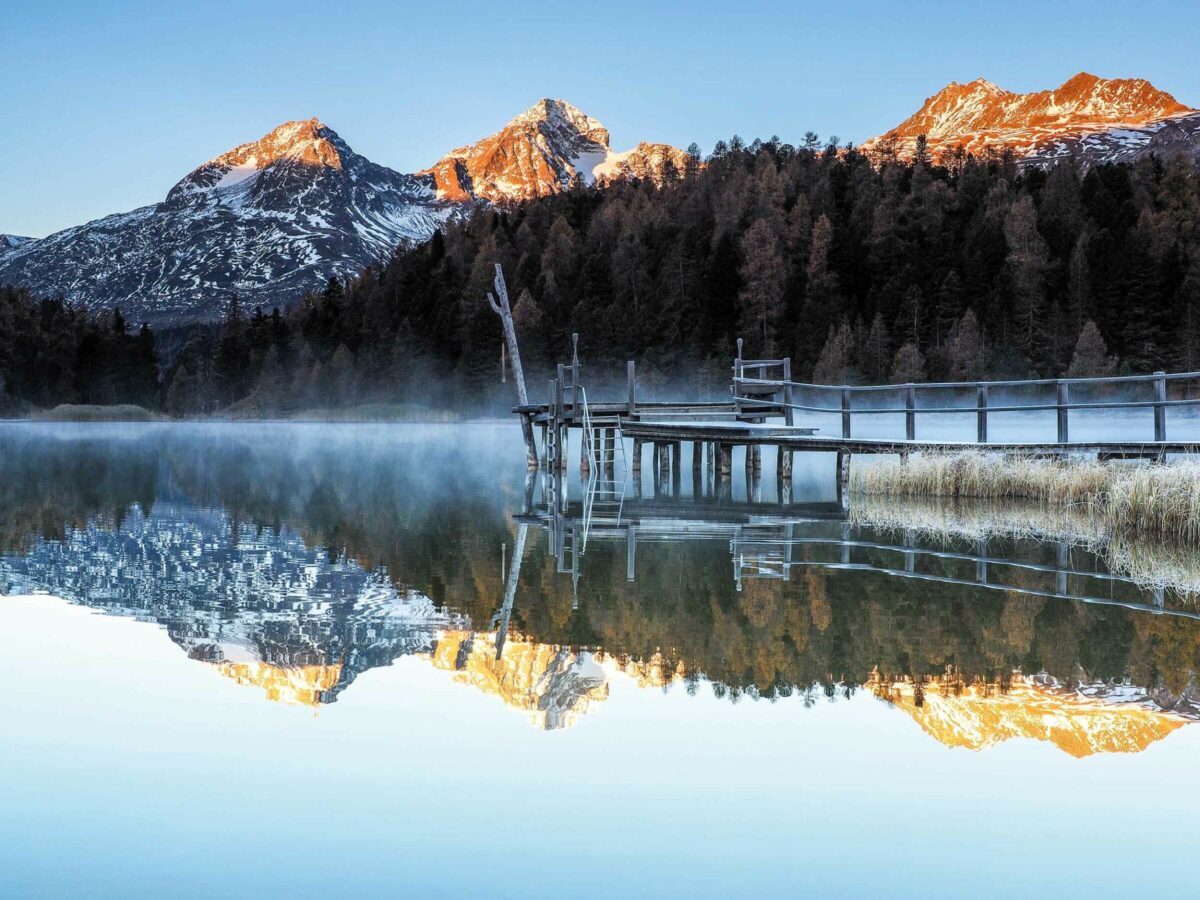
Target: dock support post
[(587, 449), (636, 462), (1063, 388), (610, 448), (631, 378), (910, 415), (845, 413), (981, 566), (724, 461), (724, 471), (981, 402), (1160, 409), (676, 467), (630, 552)]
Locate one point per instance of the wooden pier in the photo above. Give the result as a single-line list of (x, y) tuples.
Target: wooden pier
[(766, 408)]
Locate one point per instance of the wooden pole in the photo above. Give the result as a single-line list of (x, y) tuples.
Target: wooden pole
[(981, 401), (789, 414), (1063, 435), (631, 377), (504, 311), (1160, 410), (910, 415)]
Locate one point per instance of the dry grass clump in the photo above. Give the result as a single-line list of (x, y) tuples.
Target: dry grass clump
[(1119, 499)]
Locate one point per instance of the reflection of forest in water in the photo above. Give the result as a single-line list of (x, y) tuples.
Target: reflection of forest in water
[(328, 551)]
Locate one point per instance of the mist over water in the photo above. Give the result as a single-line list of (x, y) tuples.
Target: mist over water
[(231, 638)]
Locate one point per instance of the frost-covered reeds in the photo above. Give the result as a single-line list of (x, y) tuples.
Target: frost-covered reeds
[(1121, 500), (1148, 561)]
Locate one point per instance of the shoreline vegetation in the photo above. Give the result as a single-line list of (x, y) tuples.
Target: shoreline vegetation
[(1111, 501)]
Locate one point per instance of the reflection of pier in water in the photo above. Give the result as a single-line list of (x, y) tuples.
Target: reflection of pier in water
[(771, 540)]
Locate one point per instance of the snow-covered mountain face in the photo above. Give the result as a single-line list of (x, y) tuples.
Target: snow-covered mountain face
[(540, 152), (11, 242), (1092, 119), (279, 216), (269, 220)]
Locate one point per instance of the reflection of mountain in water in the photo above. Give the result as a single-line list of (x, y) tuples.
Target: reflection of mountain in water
[(554, 685), (232, 562), (256, 602), (1081, 721)]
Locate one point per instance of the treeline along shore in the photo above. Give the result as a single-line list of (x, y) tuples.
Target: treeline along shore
[(862, 270)]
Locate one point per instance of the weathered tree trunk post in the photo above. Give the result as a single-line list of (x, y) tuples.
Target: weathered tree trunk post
[(676, 465), (636, 462), (845, 413), (631, 378), (504, 311)]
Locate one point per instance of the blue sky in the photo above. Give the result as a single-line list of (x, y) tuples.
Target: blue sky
[(106, 105)]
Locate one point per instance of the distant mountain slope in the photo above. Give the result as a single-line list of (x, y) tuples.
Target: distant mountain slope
[(279, 216), (1094, 119), (268, 219), (11, 241)]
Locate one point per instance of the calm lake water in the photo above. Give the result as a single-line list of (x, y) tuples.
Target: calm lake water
[(293, 660)]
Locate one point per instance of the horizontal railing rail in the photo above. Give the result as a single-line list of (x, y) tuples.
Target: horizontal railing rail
[(749, 393), (1100, 379)]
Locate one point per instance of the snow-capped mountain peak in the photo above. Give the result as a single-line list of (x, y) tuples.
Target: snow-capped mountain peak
[(1085, 115), (280, 215), (538, 153)]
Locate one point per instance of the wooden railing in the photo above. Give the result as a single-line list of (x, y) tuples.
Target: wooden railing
[(752, 390)]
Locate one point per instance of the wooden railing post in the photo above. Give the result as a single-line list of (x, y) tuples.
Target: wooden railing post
[(737, 374), (560, 388), (631, 377), (789, 414), (1160, 409), (910, 415), (845, 413), (574, 375), (981, 402), (1063, 399)]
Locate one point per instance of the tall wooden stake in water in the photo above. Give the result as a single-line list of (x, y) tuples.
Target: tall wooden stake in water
[(503, 310)]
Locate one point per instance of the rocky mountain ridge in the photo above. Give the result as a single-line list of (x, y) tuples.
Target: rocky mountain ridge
[(1090, 118)]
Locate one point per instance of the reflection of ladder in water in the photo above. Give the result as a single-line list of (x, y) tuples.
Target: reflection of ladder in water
[(762, 550)]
